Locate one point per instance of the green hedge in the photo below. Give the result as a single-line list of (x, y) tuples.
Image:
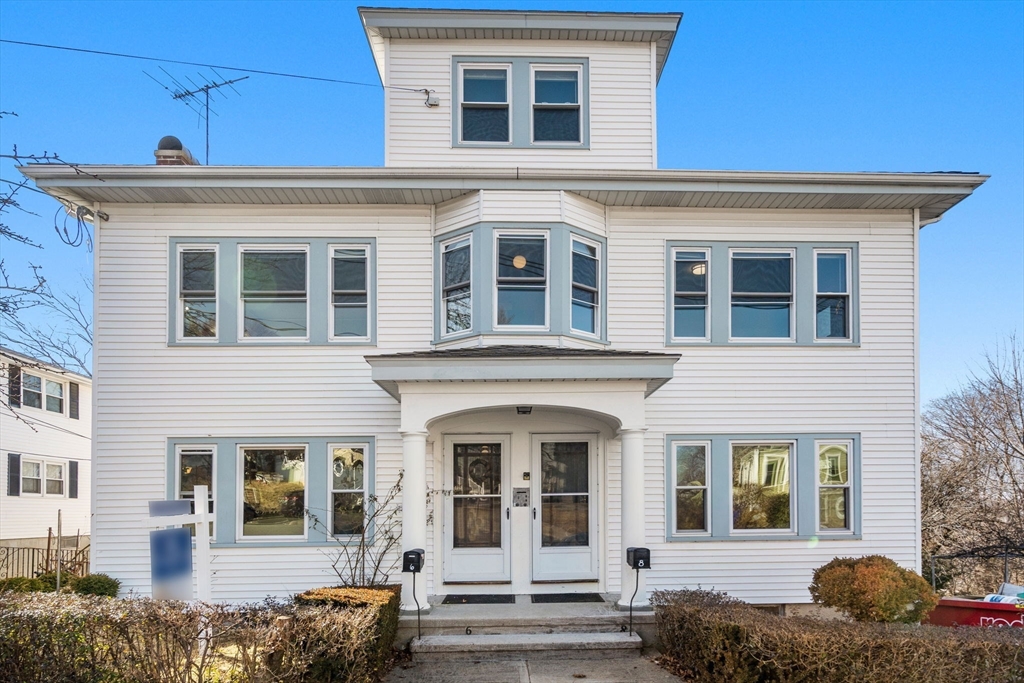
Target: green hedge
[(710, 637)]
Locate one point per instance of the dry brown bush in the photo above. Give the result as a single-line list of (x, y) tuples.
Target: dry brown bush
[(711, 637)]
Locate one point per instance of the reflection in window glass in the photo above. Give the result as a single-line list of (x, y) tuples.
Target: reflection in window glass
[(476, 495), (690, 303), (274, 293), (760, 486), (31, 477), (565, 494), (585, 292), (349, 292), (691, 487), (347, 470), (195, 468), (832, 314), (55, 396), (556, 106), (54, 479), (457, 287), (762, 295), (485, 105), (31, 391), (522, 281), (198, 292), (833, 486), (274, 487)]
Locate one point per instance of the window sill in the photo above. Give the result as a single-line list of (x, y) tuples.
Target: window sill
[(679, 538)]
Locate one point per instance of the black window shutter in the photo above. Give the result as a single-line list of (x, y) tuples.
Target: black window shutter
[(73, 479), (73, 400), (13, 474), (14, 385)]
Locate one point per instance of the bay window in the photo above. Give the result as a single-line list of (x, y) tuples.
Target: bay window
[(585, 286), (273, 292), (762, 294), (522, 281), (273, 488), (761, 486), (456, 286)]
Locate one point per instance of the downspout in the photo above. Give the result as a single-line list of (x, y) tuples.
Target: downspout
[(97, 219), (917, 387)]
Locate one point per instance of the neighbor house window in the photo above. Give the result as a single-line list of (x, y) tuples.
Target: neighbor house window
[(195, 468), (197, 295), (832, 294), (456, 287), (273, 491), (350, 292), (274, 293), (55, 396), (556, 104), (691, 486), (31, 390), (522, 281), (690, 295), (761, 486), (833, 486), (585, 286), (31, 477), (347, 489), (54, 479), (762, 295), (485, 104)]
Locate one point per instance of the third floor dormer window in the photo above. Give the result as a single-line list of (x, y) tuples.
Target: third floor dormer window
[(556, 103), (485, 104)]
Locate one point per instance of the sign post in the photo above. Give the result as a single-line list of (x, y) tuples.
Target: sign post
[(171, 548)]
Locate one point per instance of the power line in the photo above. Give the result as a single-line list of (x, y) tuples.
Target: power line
[(208, 66)]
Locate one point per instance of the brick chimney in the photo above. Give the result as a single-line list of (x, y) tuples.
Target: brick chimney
[(170, 152)]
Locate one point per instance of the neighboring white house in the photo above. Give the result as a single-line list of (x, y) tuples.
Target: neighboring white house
[(567, 350), (45, 451)]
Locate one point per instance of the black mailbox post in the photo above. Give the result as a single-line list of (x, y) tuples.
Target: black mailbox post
[(638, 558), (412, 561)]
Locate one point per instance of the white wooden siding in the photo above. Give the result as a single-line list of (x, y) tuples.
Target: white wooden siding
[(621, 105), (583, 213), (457, 213), (529, 207)]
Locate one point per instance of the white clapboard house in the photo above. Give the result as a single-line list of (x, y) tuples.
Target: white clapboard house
[(45, 453), (567, 350)]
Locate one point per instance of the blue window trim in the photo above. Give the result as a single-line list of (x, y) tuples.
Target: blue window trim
[(482, 281), (318, 297), (225, 474), (720, 293), (803, 488), (520, 102)]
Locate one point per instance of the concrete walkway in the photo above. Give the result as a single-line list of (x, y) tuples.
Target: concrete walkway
[(619, 670)]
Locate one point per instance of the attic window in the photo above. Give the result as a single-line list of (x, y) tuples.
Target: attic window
[(485, 104), (556, 104)]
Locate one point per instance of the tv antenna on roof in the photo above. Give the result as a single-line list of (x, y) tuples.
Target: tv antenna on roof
[(198, 96)]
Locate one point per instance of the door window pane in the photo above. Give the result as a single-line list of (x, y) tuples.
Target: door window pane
[(274, 293), (565, 521), (54, 397), (476, 522), (760, 486), (762, 295), (565, 467), (476, 495), (273, 481), (477, 469)]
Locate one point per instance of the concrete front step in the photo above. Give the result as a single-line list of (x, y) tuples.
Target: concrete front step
[(480, 647)]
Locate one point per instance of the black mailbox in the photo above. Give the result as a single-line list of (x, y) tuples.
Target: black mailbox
[(638, 558), (412, 561)]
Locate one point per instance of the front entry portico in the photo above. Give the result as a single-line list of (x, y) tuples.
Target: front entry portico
[(518, 441)]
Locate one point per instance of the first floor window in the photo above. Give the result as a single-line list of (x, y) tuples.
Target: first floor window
[(31, 476), (585, 290), (760, 486), (31, 390), (522, 280), (350, 293), (832, 295), (54, 479), (274, 289), (833, 486), (691, 486), (762, 295), (690, 295), (195, 468), (273, 491), (347, 489), (457, 286), (197, 297)]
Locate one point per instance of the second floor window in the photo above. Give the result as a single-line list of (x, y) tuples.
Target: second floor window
[(762, 295), (198, 292), (585, 291), (832, 295), (457, 287), (349, 293), (522, 281), (485, 104), (37, 392), (274, 293), (556, 104), (690, 295)]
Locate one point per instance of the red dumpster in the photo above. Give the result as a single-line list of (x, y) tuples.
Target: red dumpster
[(964, 612)]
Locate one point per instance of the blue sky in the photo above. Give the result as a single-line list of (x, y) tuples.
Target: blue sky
[(826, 86)]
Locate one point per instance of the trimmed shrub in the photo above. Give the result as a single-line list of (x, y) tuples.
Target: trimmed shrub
[(49, 581), (710, 637), (97, 584), (873, 588), (21, 584)]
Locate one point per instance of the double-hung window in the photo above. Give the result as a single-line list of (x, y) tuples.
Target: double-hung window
[(586, 294), (832, 294), (691, 486), (485, 103), (690, 296), (55, 396), (457, 286), (522, 281), (350, 293), (31, 390), (197, 292), (31, 477), (348, 489), (195, 468), (556, 103), (761, 486), (833, 486), (54, 479), (274, 292), (273, 492), (762, 294)]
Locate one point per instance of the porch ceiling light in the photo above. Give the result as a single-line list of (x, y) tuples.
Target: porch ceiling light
[(524, 410)]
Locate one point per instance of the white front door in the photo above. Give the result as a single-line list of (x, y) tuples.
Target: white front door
[(565, 508), (477, 546)]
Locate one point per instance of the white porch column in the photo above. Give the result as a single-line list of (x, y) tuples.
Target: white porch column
[(632, 513), (414, 513)]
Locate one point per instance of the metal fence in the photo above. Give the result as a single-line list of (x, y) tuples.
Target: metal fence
[(34, 561)]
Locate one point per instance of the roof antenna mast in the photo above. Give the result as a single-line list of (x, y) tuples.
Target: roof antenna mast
[(198, 96)]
